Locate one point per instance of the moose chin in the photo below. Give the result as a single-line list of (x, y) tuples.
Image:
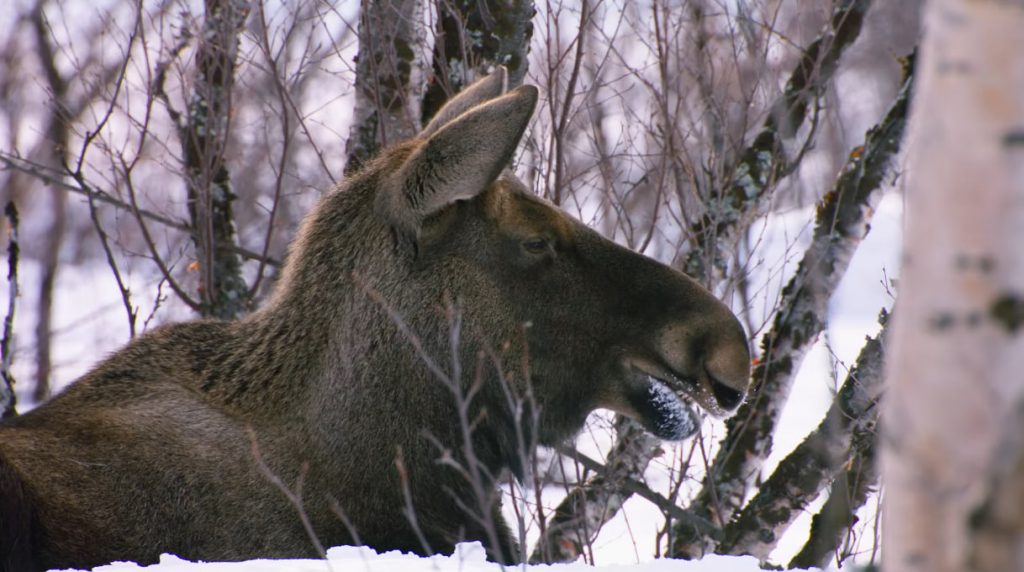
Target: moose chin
[(433, 315)]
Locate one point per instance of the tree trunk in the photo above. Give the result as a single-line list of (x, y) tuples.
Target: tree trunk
[(8, 399), (952, 428), (204, 137), (53, 151), (390, 77), (472, 37)]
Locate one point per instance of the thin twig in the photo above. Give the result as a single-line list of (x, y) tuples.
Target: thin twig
[(286, 138), (408, 508), (151, 245), (55, 178), (294, 495), (563, 117), (77, 175)]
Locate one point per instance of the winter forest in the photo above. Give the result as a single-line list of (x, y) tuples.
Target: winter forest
[(846, 175)]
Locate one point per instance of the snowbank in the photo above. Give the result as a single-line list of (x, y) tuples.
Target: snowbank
[(467, 558)]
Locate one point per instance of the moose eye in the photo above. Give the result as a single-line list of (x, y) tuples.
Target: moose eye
[(536, 245)]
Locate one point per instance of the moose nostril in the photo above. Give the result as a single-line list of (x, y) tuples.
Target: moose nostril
[(726, 396)]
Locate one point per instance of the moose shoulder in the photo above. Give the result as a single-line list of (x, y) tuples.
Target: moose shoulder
[(432, 317)]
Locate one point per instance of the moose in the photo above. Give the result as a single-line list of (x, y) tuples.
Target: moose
[(432, 316)]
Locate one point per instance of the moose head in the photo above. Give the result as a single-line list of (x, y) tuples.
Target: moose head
[(424, 306), (607, 328)]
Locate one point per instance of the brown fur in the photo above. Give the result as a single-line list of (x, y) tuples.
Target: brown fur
[(151, 451)]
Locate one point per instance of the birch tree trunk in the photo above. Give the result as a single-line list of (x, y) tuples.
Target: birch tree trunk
[(952, 443), (8, 399), (390, 77)]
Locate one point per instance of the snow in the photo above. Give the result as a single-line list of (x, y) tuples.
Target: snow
[(468, 557)]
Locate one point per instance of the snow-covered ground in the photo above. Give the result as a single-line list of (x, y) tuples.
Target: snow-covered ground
[(467, 558)]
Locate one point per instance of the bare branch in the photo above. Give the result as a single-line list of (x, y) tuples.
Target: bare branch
[(283, 99), (79, 177), (56, 178), (151, 244), (560, 119), (294, 495), (112, 263), (408, 508), (55, 148)]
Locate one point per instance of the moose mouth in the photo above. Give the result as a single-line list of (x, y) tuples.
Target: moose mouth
[(665, 402), (666, 414)]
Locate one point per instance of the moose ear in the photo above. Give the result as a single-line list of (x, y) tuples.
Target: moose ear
[(480, 91), (457, 162)]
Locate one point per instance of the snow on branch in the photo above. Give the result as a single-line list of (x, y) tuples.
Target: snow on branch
[(801, 476), (841, 223)]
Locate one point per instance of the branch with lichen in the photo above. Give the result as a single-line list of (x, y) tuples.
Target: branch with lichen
[(578, 518), (390, 78), (806, 83), (764, 162), (472, 38), (842, 221), (832, 526), (204, 136), (815, 462)]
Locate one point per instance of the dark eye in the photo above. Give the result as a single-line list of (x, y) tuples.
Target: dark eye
[(536, 245)]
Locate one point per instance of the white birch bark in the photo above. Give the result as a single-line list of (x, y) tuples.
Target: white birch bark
[(957, 353)]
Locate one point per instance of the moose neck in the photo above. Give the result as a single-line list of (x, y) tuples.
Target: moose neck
[(347, 334), (279, 354)]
